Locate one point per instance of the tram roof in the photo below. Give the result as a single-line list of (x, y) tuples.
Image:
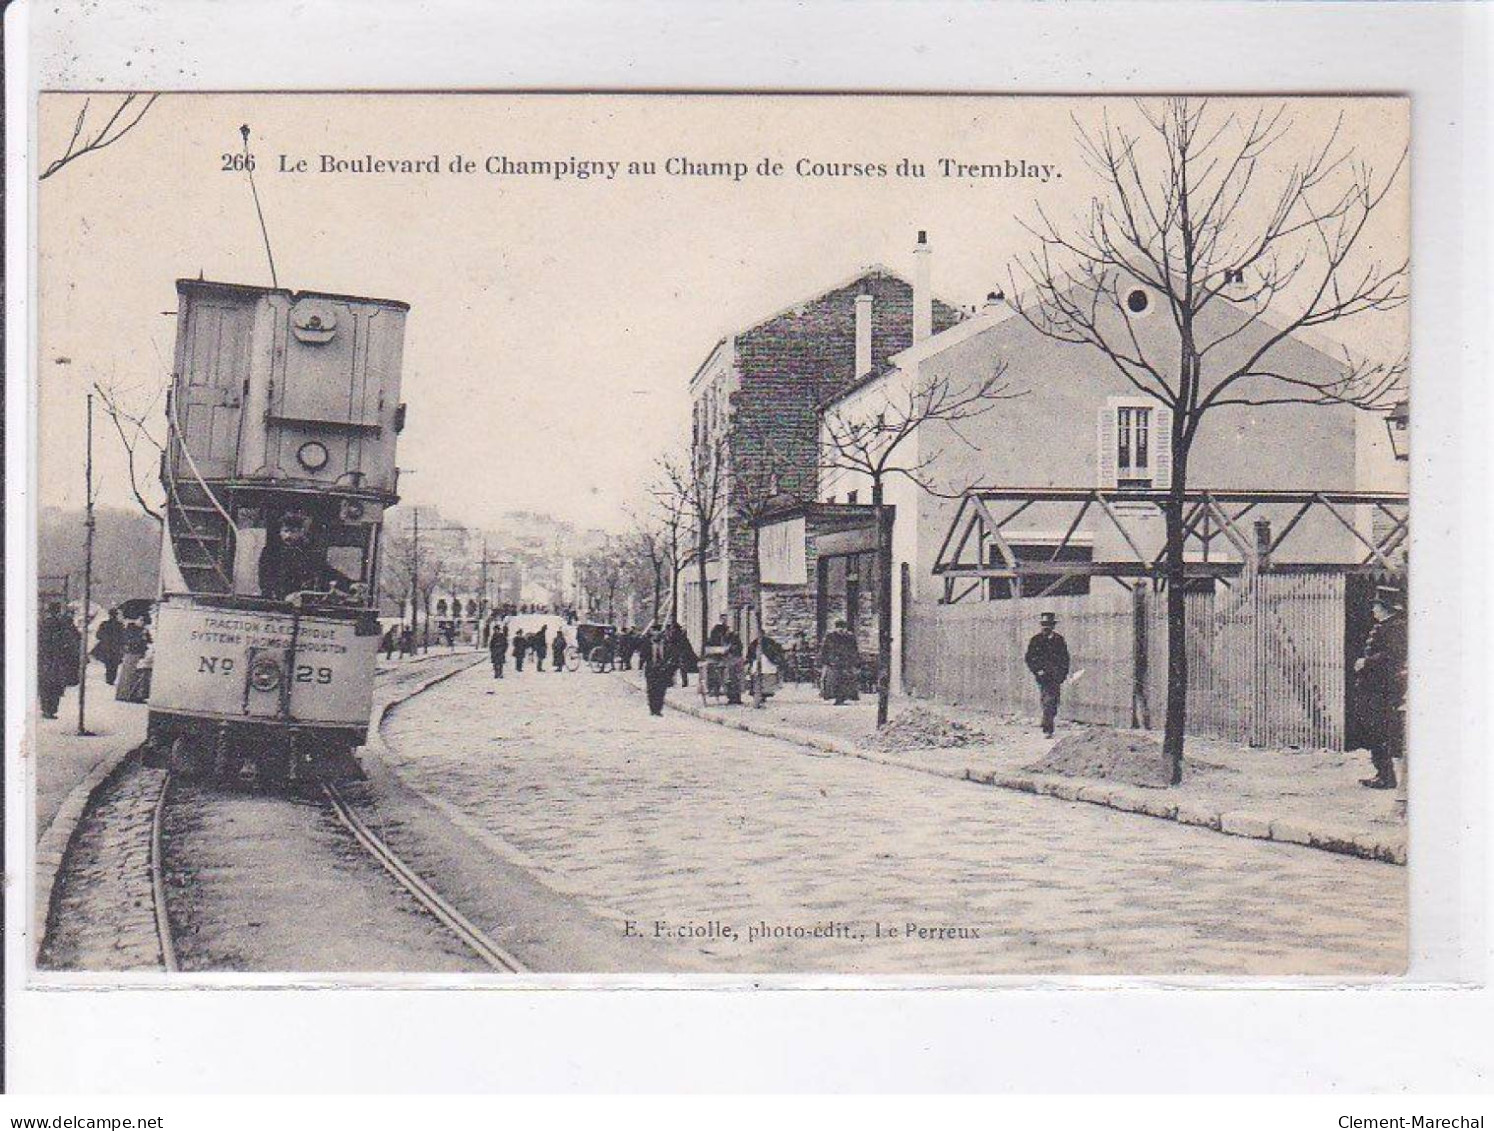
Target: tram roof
[(246, 289)]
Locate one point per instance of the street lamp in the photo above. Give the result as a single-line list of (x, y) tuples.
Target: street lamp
[(1398, 425)]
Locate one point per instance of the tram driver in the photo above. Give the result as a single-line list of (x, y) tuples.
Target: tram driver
[(294, 561)]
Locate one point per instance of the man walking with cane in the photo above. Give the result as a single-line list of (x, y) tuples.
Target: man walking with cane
[(1048, 660)]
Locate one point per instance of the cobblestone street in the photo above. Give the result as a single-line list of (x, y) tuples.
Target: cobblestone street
[(711, 835)]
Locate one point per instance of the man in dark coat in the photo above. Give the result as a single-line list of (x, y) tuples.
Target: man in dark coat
[(521, 646), (840, 665), (108, 645), (498, 650), (57, 658), (717, 637), (725, 637), (294, 562), (1380, 672), (538, 647), (628, 643), (658, 663), (557, 651), (677, 640), (1048, 661)]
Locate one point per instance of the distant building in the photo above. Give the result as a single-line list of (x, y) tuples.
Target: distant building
[(755, 399)]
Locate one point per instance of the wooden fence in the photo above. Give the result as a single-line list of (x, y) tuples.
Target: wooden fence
[(1265, 658)]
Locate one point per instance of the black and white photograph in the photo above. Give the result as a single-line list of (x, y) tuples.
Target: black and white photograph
[(510, 535)]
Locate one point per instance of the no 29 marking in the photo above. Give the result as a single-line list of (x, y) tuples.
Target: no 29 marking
[(224, 665)]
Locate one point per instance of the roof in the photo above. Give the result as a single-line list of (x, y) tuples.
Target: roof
[(246, 290), (875, 269), (710, 355), (961, 331), (851, 280), (992, 317), (808, 508)]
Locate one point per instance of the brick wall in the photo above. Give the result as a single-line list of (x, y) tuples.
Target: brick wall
[(785, 368)]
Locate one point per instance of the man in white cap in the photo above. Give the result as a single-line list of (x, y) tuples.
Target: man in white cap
[(1048, 660)]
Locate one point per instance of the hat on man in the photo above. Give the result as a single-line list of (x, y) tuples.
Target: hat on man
[(1390, 596), (1048, 618)]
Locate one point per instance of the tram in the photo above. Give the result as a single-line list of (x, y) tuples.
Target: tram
[(283, 415)]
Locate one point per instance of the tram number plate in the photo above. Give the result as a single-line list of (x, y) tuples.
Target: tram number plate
[(224, 665)]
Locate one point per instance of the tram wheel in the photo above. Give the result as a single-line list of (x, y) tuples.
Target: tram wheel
[(185, 758)]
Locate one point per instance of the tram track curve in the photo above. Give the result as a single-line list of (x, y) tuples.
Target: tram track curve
[(158, 886), (164, 941), (427, 896)]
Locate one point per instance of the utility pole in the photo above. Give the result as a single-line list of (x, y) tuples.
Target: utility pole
[(482, 603), (484, 563), (87, 571), (415, 582)]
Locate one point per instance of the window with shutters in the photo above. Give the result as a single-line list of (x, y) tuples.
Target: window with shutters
[(1134, 437), (1133, 466)]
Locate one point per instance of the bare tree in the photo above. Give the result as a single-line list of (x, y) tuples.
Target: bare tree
[(601, 576), (866, 439), (141, 443), (651, 552), (1247, 238), (419, 559), (90, 137), (669, 514), (399, 568), (700, 485)]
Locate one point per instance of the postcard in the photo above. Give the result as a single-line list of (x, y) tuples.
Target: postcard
[(497, 535)]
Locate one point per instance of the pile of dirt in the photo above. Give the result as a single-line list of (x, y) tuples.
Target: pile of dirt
[(1095, 752), (918, 728)]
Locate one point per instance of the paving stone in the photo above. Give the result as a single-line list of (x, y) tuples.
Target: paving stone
[(676, 819)]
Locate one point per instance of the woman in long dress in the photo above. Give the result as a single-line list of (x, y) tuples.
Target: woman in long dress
[(135, 644)]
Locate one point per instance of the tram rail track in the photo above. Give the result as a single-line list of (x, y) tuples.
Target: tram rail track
[(471, 936), (164, 941), (430, 899), (437, 906)]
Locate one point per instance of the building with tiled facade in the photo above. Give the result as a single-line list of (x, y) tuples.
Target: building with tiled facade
[(755, 407)]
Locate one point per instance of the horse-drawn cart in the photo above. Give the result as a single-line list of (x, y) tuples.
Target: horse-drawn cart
[(595, 644)]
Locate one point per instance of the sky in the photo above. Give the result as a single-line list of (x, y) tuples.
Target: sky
[(555, 322)]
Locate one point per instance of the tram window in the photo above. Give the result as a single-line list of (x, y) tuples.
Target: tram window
[(346, 560), (248, 545)]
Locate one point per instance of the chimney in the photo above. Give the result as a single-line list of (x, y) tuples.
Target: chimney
[(923, 301), (863, 335)]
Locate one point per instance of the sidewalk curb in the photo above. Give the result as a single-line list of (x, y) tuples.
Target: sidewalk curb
[(1154, 803), (383, 707), (52, 846)]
